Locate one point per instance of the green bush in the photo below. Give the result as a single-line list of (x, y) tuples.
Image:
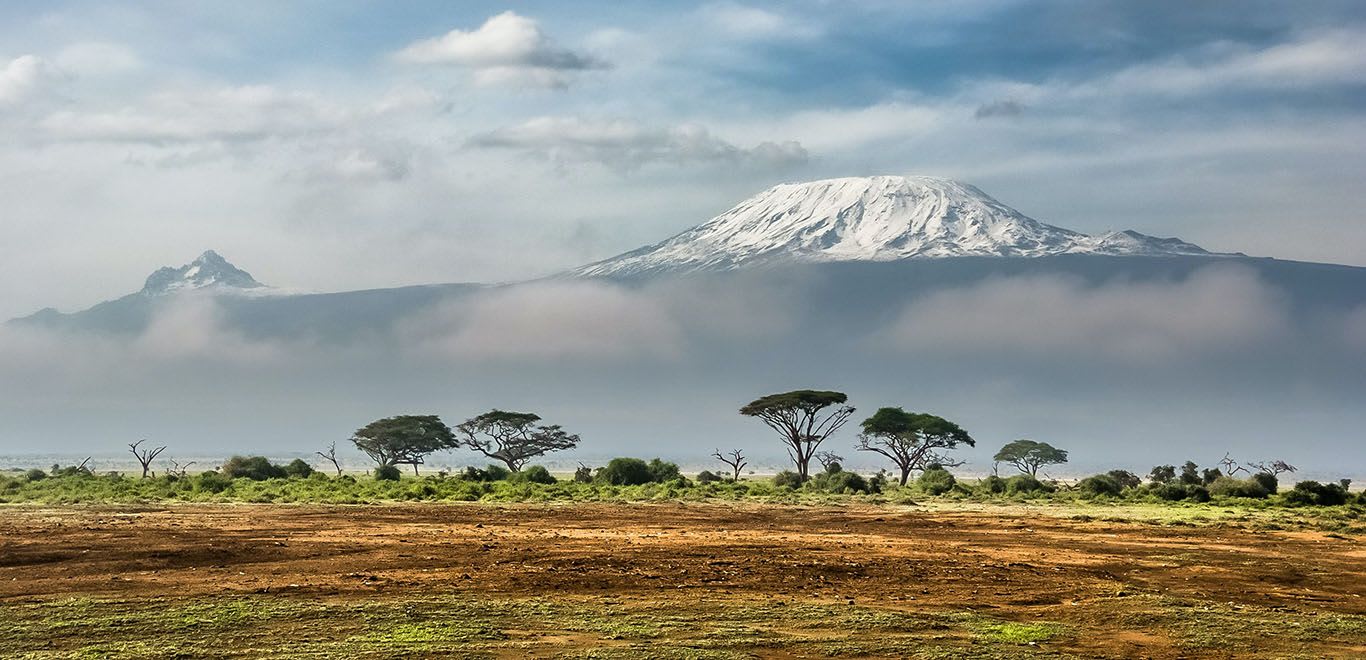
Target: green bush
[(838, 482), (1314, 493), (211, 482), (1024, 484), (1100, 485), (1125, 479), (256, 468), (787, 478), (583, 474), (625, 472), (1229, 487), (992, 485), (936, 481), (486, 474), (661, 471), (1268, 482), (388, 473), (708, 477), (535, 474), (36, 474), (299, 468)]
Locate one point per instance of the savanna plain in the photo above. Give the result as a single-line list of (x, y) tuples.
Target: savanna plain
[(676, 576)]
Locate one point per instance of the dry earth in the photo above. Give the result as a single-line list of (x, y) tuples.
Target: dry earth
[(758, 580)]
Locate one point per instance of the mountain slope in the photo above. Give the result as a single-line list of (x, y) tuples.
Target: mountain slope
[(881, 218)]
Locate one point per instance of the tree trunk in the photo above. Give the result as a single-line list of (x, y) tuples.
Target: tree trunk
[(905, 474), (415, 468), (802, 470)]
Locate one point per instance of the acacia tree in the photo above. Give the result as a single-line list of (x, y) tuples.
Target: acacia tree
[(1028, 456), (912, 440), (802, 419), (513, 437), (405, 439), (735, 458), (145, 456)]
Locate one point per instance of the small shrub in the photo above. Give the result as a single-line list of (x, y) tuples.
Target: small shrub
[(839, 482), (993, 485), (583, 474), (1230, 487), (1314, 493), (787, 478), (662, 471), (936, 481), (36, 474), (1100, 485), (535, 474), (708, 477), (211, 482), (1268, 482), (1024, 484), (625, 472), (1125, 478), (256, 468), (299, 468), (388, 473), (486, 474)]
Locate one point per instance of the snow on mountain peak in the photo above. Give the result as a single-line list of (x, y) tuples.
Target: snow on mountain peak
[(879, 218), (209, 271)]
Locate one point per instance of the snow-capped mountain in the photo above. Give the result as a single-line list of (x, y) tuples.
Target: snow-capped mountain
[(210, 271), (881, 218)]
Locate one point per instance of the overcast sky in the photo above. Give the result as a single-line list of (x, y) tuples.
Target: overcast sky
[(330, 145)]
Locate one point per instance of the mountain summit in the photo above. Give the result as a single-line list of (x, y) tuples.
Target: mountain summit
[(880, 218), (209, 271)]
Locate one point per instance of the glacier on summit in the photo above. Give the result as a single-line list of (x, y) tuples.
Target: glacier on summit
[(880, 218)]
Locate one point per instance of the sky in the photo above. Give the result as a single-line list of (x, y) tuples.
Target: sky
[(335, 146), (341, 145)]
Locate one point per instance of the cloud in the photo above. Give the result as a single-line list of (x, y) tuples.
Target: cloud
[(754, 23), (548, 322), (22, 77), (184, 330), (506, 49), (1002, 108), (227, 114), (1216, 311), (97, 58), (1321, 58), (626, 144)]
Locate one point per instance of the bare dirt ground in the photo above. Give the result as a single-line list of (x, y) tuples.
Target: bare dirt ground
[(986, 583)]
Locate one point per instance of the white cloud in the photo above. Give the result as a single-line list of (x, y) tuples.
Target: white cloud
[(97, 58), (230, 114), (754, 23), (1216, 311), (552, 321), (506, 49), (22, 77), (627, 144)]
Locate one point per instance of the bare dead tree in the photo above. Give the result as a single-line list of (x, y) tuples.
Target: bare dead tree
[(828, 458), (735, 458), (331, 456), (1230, 466), (85, 465), (178, 469), (1274, 468), (145, 456)]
